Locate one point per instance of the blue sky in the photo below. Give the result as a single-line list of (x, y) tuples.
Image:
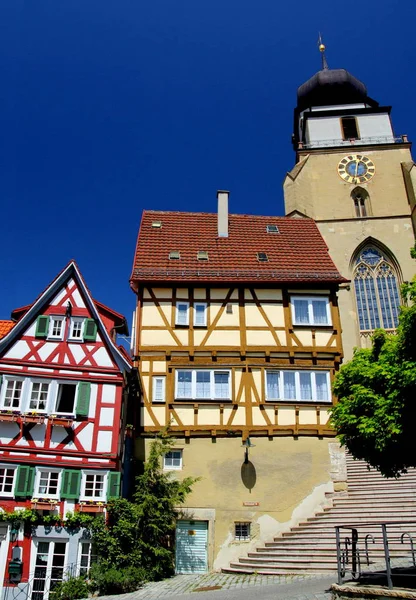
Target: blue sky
[(109, 107)]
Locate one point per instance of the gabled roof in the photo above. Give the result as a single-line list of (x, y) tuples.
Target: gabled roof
[(30, 312), (5, 327), (297, 253)]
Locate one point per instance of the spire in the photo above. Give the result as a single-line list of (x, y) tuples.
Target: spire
[(321, 47)]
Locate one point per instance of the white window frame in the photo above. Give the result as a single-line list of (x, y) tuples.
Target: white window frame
[(6, 380), (205, 306), (161, 378), (13, 468), (298, 397), (52, 320), (92, 552), (71, 337), (242, 538), (311, 321), (48, 398), (37, 493), (171, 467), (101, 498), (56, 396), (178, 312), (193, 395)]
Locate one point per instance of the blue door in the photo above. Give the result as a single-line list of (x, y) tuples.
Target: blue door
[(191, 546)]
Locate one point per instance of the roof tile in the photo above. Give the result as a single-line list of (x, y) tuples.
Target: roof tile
[(5, 327), (297, 253)]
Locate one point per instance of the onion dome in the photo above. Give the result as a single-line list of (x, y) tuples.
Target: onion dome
[(330, 87)]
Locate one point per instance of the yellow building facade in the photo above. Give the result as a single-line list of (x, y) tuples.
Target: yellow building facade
[(237, 341)]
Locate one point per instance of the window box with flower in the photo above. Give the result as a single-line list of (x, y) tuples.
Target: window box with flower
[(92, 506), (33, 417), (43, 504), (9, 415), (61, 420)]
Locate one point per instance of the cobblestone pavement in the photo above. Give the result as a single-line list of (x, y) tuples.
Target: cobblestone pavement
[(288, 587)]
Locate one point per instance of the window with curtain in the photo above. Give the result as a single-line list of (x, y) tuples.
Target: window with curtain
[(299, 386), (376, 290), (312, 310)]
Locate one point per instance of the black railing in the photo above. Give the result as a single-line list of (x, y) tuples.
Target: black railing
[(368, 557)]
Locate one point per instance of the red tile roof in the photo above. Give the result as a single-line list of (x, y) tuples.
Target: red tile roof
[(5, 327), (297, 253)]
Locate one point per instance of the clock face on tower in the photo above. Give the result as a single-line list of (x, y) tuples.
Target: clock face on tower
[(356, 168)]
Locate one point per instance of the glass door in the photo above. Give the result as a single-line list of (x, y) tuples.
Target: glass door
[(49, 568)]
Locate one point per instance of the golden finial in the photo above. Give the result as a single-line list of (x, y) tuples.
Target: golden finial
[(322, 48)]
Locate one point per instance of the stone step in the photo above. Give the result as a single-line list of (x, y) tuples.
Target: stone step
[(276, 571), (388, 511), (376, 502)]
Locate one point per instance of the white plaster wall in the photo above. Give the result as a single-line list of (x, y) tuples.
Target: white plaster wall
[(323, 128), (374, 125)]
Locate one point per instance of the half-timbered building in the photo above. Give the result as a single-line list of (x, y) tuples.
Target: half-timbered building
[(62, 417), (237, 339)]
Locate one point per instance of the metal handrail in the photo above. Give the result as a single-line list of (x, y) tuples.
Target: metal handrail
[(349, 553), (385, 139)]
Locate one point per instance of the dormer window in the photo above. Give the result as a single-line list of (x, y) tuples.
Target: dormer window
[(272, 229), (349, 128), (262, 257), (157, 224), (174, 255), (202, 255)]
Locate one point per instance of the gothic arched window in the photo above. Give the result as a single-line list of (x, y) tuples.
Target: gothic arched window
[(361, 200), (376, 290)]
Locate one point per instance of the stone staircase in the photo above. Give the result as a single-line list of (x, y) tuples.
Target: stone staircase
[(310, 547)]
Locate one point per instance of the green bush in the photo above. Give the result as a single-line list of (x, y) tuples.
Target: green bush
[(116, 580), (72, 588)]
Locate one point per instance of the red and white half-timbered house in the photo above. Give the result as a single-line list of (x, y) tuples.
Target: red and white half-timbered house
[(63, 399)]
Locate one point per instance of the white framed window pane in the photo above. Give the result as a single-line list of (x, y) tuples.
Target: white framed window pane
[(48, 483), (6, 480), (173, 459), (56, 327), (221, 385), (319, 311), (203, 384), (87, 557), (272, 386), (182, 313), (200, 314), (289, 386), (184, 387), (158, 389), (321, 381), (76, 329), (301, 311), (39, 396), (13, 393), (305, 380), (94, 485)]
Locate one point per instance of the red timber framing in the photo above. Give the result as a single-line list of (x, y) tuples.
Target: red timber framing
[(63, 406)]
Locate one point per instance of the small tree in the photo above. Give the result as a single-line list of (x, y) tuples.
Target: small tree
[(376, 392), (137, 537)]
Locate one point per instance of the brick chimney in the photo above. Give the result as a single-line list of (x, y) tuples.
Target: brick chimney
[(222, 213)]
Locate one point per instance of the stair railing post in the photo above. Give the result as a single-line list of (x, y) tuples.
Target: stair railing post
[(387, 555), (339, 566)]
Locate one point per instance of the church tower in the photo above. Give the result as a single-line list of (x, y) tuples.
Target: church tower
[(357, 179)]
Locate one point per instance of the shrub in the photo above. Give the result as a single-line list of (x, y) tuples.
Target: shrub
[(116, 580), (72, 588)]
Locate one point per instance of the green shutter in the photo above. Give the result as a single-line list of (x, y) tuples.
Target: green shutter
[(113, 488), (83, 399), (42, 326), (71, 484), (90, 330), (24, 481)]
